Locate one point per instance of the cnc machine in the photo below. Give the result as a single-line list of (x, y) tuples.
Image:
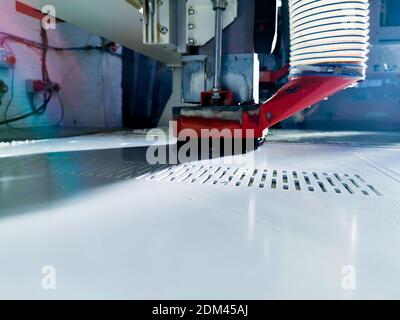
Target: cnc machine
[(214, 45)]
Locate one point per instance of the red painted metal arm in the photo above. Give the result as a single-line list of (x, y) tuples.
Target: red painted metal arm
[(298, 94)]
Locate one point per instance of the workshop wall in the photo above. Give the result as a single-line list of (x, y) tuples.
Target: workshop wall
[(90, 80)]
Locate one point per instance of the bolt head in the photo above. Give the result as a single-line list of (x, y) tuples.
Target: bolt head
[(163, 30)]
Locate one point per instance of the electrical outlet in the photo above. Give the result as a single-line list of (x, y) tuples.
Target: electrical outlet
[(39, 86), (7, 59)]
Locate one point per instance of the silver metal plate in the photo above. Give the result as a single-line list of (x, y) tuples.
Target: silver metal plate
[(157, 235)]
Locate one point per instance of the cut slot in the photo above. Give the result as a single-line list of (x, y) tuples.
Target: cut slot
[(208, 179), (285, 178), (142, 176), (376, 191), (229, 180), (218, 169), (307, 180), (185, 178), (337, 176), (329, 179), (348, 188), (223, 174), (337, 190), (285, 187), (251, 182), (202, 174), (165, 176), (354, 183), (322, 186), (264, 177), (295, 175), (311, 189), (197, 169), (181, 173), (155, 175), (273, 184), (359, 177), (316, 175), (297, 185)]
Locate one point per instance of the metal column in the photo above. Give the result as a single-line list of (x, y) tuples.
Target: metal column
[(219, 7)]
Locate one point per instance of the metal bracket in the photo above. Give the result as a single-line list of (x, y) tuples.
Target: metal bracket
[(159, 23), (201, 23)]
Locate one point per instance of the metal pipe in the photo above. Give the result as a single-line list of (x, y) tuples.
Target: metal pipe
[(219, 6), (218, 47)]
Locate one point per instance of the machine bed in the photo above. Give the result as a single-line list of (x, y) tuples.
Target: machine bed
[(282, 222)]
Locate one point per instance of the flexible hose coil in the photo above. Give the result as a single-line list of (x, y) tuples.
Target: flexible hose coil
[(328, 32)]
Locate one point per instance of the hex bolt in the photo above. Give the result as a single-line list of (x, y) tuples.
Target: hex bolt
[(269, 116), (191, 11), (191, 26), (192, 42), (163, 30), (219, 4)]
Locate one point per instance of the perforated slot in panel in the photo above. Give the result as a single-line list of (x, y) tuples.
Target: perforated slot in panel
[(235, 177), (270, 179)]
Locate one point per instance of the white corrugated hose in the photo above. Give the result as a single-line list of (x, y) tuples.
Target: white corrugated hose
[(328, 32)]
